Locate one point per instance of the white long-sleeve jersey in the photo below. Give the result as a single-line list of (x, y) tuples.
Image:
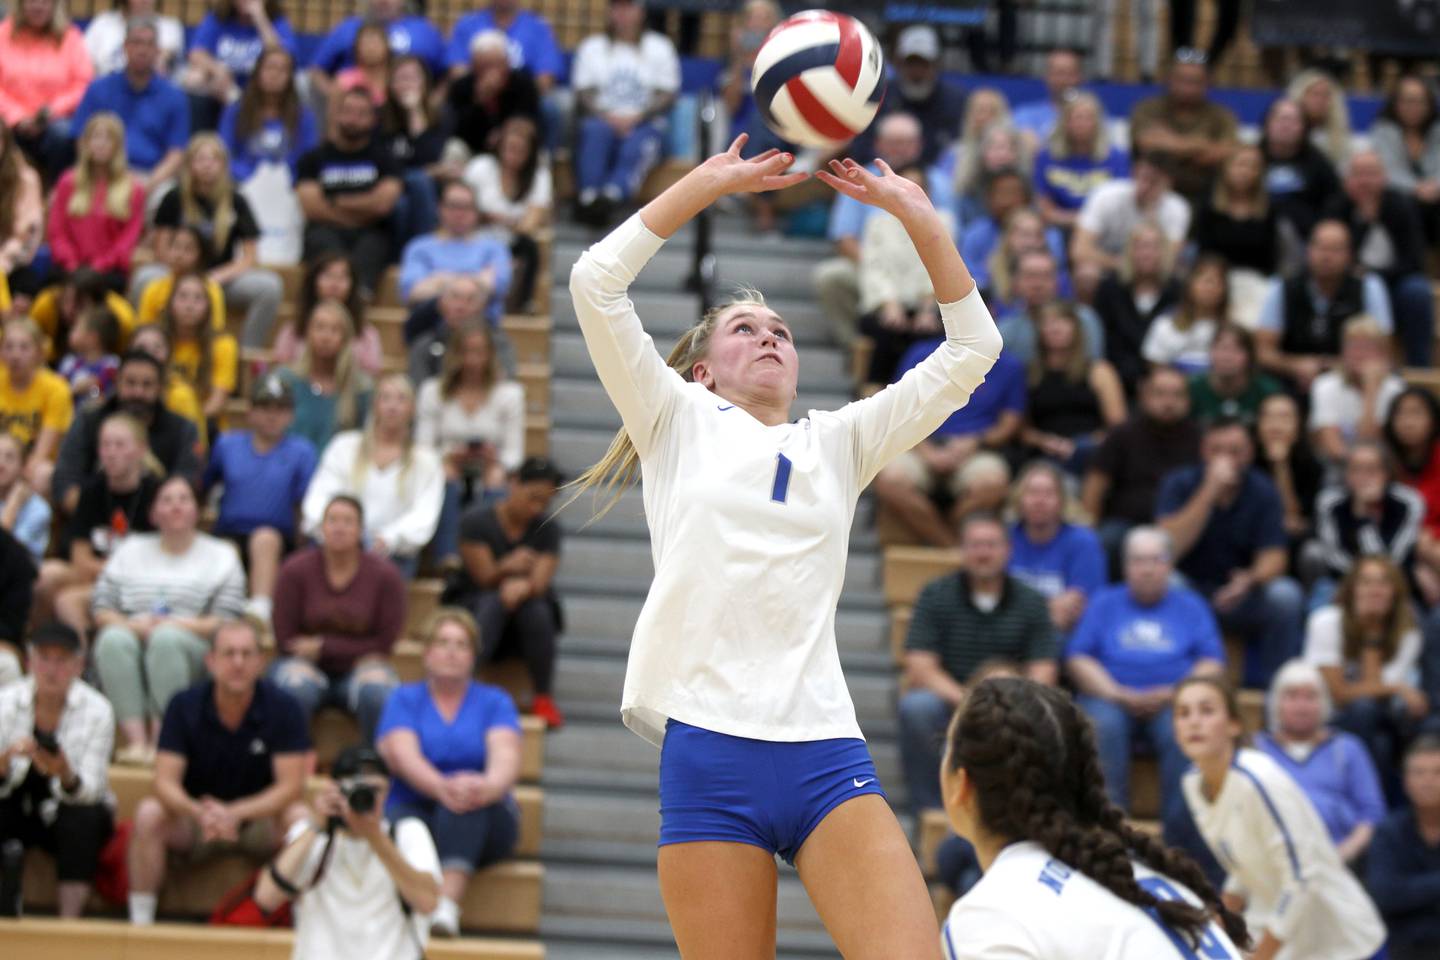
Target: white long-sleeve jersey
[(750, 523), (1030, 906), (1278, 855)]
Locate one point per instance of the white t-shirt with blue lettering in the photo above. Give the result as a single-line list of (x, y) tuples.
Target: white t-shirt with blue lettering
[(1030, 906)]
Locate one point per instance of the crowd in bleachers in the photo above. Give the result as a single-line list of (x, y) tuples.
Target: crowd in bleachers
[(219, 472), (253, 383), (1208, 334)]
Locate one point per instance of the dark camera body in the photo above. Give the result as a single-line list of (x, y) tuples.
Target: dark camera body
[(47, 742), (361, 797)]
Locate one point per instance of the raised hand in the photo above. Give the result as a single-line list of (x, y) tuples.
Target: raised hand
[(889, 191), (731, 173)]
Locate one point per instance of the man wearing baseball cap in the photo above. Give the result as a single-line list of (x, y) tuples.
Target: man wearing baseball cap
[(263, 472), (917, 88)]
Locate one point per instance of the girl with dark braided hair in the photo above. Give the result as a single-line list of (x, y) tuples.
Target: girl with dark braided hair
[(1283, 868), (1066, 878)]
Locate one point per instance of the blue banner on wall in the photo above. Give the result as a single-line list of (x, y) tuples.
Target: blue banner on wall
[(1406, 27)]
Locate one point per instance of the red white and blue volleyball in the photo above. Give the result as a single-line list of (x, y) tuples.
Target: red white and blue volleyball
[(818, 78)]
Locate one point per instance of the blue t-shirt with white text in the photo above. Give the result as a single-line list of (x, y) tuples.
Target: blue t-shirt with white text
[(1147, 646), (531, 41), (1073, 559), (409, 36), (238, 44)]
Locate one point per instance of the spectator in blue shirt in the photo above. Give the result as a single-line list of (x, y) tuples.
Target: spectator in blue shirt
[(269, 123), (154, 110), (409, 34), (532, 43), (1226, 520), (1006, 191), (457, 249), (1061, 561), (1403, 869), (264, 472), (225, 50), (991, 420), (453, 747), (1332, 767), (1037, 286), (1076, 159), (1064, 72), (898, 142), (1136, 641)]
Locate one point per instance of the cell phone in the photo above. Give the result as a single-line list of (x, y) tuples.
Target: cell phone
[(46, 741)]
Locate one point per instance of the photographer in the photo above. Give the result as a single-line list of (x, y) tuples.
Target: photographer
[(56, 734), (362, 887)]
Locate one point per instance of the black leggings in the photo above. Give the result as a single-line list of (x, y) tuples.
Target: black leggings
[(75, 838), (525, 260), (530, 629)]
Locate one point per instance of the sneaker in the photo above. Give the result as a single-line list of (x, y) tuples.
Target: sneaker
[(543, 706), (445, 921)]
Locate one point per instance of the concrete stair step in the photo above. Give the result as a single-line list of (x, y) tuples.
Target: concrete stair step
[(731, 235), (584, 403)]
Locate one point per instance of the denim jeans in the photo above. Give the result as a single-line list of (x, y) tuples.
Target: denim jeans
[(466, 841), (1116, 731), (361, 692), (1271, 618), (923, 719), (604, 159), (1413, 303)]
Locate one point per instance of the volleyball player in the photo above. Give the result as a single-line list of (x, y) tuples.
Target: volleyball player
[(1065, 877), (734, 668), (1282, 868)]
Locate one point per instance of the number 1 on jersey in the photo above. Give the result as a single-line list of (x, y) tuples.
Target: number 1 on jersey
[(782, 478)]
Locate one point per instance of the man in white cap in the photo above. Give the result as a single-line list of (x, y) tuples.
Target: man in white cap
[(917, 88)]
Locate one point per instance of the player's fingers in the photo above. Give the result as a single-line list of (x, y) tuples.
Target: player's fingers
[(783, 181), (765, 156), (778, 163), (738, 144), (884, 167), (844, 186)]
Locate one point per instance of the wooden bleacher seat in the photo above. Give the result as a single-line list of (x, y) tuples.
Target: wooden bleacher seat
[(37, 938), (530, 336), (908, 569)]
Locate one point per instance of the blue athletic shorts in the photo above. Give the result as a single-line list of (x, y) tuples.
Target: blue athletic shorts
[(770, 794)]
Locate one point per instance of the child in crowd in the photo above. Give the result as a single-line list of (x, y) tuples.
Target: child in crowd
[(93, 360)]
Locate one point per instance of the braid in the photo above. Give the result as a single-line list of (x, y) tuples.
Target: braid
[(1031, 754)]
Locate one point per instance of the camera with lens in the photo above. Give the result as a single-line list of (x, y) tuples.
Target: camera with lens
[(360, 796)]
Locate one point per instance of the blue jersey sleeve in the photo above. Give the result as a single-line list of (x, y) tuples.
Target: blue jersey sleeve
[(178, 136), (542, 53), (1207, 644), (1085, 638), (457, 51), (503, 713), (286, 33)]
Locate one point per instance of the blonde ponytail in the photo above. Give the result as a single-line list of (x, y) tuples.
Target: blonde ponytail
[(619, 468)]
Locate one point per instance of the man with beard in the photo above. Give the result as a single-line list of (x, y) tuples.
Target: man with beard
[(173, 439), (348, 187), (917, 88)]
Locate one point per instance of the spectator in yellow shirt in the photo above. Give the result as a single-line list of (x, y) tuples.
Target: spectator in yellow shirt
[(35, 405), (207, 360), (60, 305), (187, 252)]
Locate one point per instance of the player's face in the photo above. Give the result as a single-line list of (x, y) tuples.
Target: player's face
[(959, 798), (1203, 726), (751, 356), (1422, 781)]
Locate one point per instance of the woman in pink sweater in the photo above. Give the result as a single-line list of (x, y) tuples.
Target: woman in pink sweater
[(98, 212), (44, 71)]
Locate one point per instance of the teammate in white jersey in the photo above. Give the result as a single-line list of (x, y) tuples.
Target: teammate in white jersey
[(1066, 878), (1281, 866), (734, 667)]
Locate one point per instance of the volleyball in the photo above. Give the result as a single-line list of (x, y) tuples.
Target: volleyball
[(818, 78)]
